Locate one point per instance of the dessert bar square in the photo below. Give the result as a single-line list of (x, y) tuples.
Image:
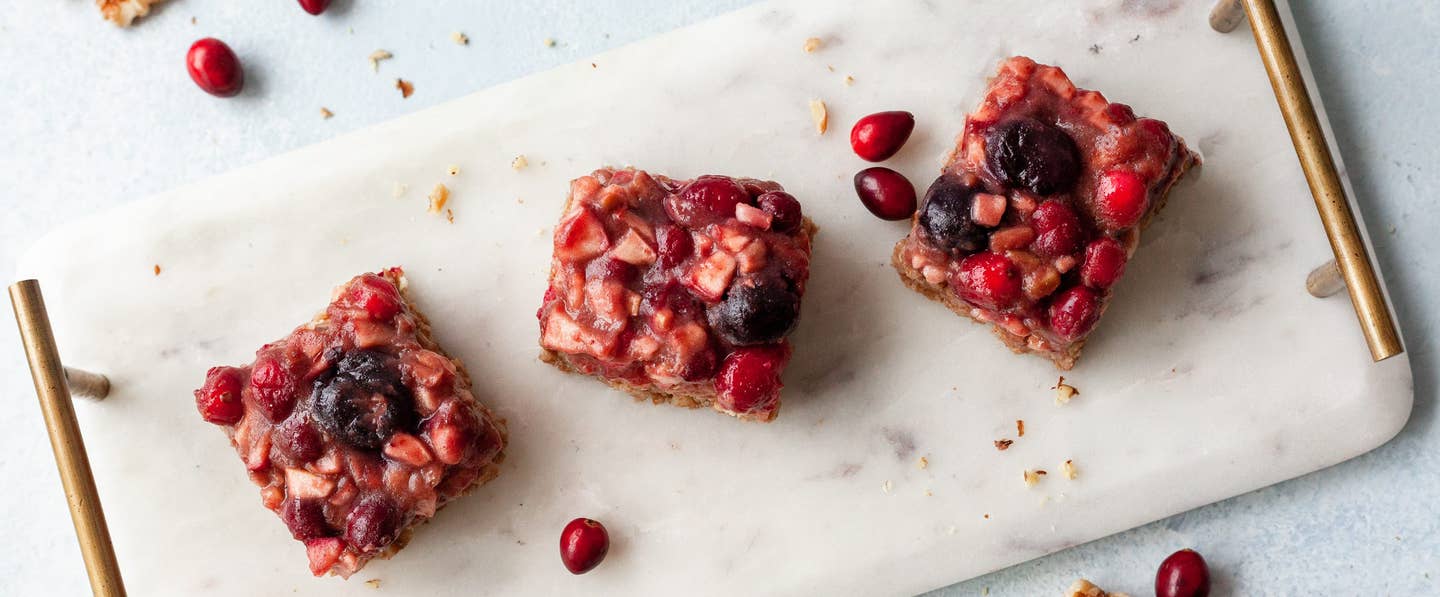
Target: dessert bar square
[(1038, 209), (678, 291), (356, 427)]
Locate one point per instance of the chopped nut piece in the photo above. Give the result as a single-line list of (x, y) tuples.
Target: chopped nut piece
[(123, 12), (374, 583), (405, 87), (459, 38), (812, 44), (1003, 444), (1063, 392), (450, 216), (453, 170), (519, 163), (820, 115), (924, 462), (849, 80), (157, 269), (1083, 588), (376, 57), (928, 493), (1033, 477), (326, 113), (438, 196), (886, 487), (1020, 427), (549, 42), (1069, 469)]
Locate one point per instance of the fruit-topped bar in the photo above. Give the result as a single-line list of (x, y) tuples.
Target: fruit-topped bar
[(356, 426), (678, 291), (1038, 209)]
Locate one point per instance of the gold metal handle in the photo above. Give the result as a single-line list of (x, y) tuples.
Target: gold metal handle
[(1319, 166), (65, 440)]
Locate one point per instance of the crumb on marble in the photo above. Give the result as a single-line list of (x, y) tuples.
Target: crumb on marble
[(157, 269), (325, 113), (887, 487), (519, 163), (1033, 477), (849, 80), (438, 197), (450, 216), (374, 583), (1083, 588), (812, 44), (459, 38), (986, 516), (123, 12), (1020, 427), (192, 20), (1003, 444), (929, 493), (406, 88), (820, 115), (1068, 467), (549, 42), (924, 463), (1095, 48), (1064, 392), (453, 170), (375, 58)]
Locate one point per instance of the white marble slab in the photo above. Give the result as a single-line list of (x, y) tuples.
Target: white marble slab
[(1213, 373)]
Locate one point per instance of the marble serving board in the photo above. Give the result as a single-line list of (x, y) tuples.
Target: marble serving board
[(1213, 373)]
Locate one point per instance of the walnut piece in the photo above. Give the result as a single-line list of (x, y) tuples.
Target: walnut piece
[(376, 57), (459, 38), (519, 163), (1003, 444), (438, 197), (1063, 392), (820, 115), (326, 113), (1083, 588), (1020, 427), (812, 44), (1068, 467), (405, 87), (1033, 477), (122, 12)]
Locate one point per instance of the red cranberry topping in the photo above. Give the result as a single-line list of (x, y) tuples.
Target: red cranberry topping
[(306, 519), (219, 399), (1183, 574), (675, 246), (314, 7), (1057, 229), (379, 298), (1104, 263), (947, 218), (756, 311), (1074, 312), (214, 67), (1120, 199), (323, 553), (886, 193), (609, 268), (749, 379), (583, 545), (706, 199), (783, 209), (1026, 153), (878, 136), (372, 524), (989, 280), (362, 400), (272, 388), (298, 439)]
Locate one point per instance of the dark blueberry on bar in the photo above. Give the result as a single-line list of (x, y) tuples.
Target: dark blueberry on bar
[(756, 311), (362, 401), (946, 215), (1027, 153)]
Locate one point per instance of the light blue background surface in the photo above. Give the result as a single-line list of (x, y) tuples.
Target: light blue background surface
[(95, 116)]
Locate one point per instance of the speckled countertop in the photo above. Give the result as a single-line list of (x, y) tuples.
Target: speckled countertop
[(90, 126)]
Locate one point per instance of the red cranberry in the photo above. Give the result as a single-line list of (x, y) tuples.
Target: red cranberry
[(705, 200), (272, 388), (219, 399), (583, 545), (1074, 312), (749, 379), (1120, 199), (377, 296), (372, 524), (1183, 574), (1027, 153), (783, 209), (675, 245), (1057, 229), (878, 136), (1104, 263), (306, 518), (609, 268), (1120, 114), (886, 193), (989, 280), (214, 67), (314, 7), (299, 439)]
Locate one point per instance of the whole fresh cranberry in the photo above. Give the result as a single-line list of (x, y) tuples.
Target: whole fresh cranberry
[(1183, 574), (878, 136), (1074, 311), (946, 215), (1027, 153), (377, 296), (886, 193), (314, 7), (749, 379), (1057, 229), (674, 246), (705, 200), (361, 400), (298, 438), (989, 280), (755, 311), (272, 388), (1120, 199), (583, 545), (306, 518), (1104, 263), (372, 524), (214, 67), (219, 399), (783, 209)]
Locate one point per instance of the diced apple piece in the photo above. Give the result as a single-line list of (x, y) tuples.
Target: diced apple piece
[(564, 334), (752, 257), (634, 250), (711, 276), (408, 449), (580, 237), (986, 209), (302, 484), (323, 553), (1014, 237), (752, 216)]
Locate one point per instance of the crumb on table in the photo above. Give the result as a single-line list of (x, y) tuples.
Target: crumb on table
[(820, 115), (459, 38), (123, 12), (406, 88), (1033, 477), (1020, 427), (1069, 469), (1003, 444), (812, 44), (438, 197), (326, 113), (377, 56), (519, 163), (1064, 392), (157, 269)]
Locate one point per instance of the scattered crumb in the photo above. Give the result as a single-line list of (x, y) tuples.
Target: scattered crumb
[(453, 170), (849, 80), (1063, 392), (830, 67), (192, 20), (519, 163), (399, 190), (326, 113), (438, 197), (987, 516), (820, 115), (157, 269), (812, 44), (924, 462), (450, 216), (1094, 48), (928, 493), (376, 57), (549, 42), (1020, 427), (123, 12), (593, 65), (1003, 444), (1069, 469), (459, 38), (1083, 588), (1135, 39), (887, 487), (951, 530), (1033, 477), (405, 87), (374, 583)]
